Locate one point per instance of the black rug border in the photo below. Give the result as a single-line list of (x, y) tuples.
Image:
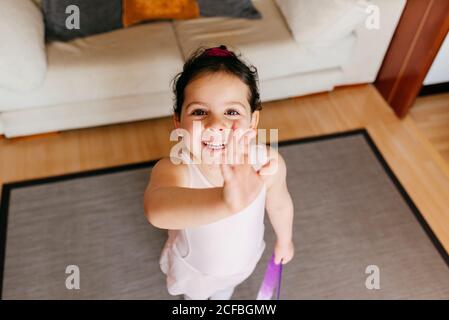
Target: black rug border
[(8, 187)]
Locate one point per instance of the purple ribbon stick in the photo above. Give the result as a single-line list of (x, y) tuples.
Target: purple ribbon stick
[(271, 281)]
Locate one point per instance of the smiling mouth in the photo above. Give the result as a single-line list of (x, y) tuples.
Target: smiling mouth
[(214, 146)]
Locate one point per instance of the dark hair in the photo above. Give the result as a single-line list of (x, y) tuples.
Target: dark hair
[(206, 60)]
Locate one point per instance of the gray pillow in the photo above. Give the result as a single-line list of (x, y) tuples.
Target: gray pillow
[(228, 8), (96, 16)]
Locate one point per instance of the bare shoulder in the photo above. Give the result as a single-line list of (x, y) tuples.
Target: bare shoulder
[(276, 170), (165, 173)]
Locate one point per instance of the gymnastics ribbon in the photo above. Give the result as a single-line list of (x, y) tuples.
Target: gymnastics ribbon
[(271, 281)]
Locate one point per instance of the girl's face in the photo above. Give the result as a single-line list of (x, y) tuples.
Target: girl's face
[(215, 102)]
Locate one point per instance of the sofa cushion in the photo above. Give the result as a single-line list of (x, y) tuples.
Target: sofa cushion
[(95, 17), (322, 22), (228, 8), (126, 62), (135, 11), (23, 61), (267, 43)]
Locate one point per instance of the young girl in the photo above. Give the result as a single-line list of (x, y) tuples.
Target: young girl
[(213, 209)]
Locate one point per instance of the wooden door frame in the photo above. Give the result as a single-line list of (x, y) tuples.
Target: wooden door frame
[(418, 37)]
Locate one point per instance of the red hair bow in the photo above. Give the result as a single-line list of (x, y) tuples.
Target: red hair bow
[(220, 51)]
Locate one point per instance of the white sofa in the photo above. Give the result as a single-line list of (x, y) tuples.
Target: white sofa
[(125, 75)]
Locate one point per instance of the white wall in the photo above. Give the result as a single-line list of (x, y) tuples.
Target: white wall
[(439, 72), (373, 44)]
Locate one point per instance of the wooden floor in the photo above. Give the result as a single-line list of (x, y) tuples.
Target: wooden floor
[(419, 166), (431, 114)]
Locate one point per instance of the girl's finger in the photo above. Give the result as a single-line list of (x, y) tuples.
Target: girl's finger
[(244, 138), (277, 260), (242, 158), (238, 133), (264, 168), (268, 168), (230, 148), (248, 136), (226, 172)]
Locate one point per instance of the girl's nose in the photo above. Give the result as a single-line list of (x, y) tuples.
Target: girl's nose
[(214, 130), (215, 124), (216, 127)]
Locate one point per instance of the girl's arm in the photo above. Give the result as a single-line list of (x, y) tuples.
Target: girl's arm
[(170, 204), (279, 206)]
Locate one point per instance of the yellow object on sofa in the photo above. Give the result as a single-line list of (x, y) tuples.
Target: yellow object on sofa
[(135, 11)]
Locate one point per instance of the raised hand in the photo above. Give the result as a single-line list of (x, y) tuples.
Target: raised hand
[(242, 183)]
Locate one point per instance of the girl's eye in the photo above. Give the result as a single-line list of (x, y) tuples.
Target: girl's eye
[(198, 112), (232, 112)]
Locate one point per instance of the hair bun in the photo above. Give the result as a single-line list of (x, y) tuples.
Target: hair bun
[(220, 51)]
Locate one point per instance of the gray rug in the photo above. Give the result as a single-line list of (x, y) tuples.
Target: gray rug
[(350, 213)]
